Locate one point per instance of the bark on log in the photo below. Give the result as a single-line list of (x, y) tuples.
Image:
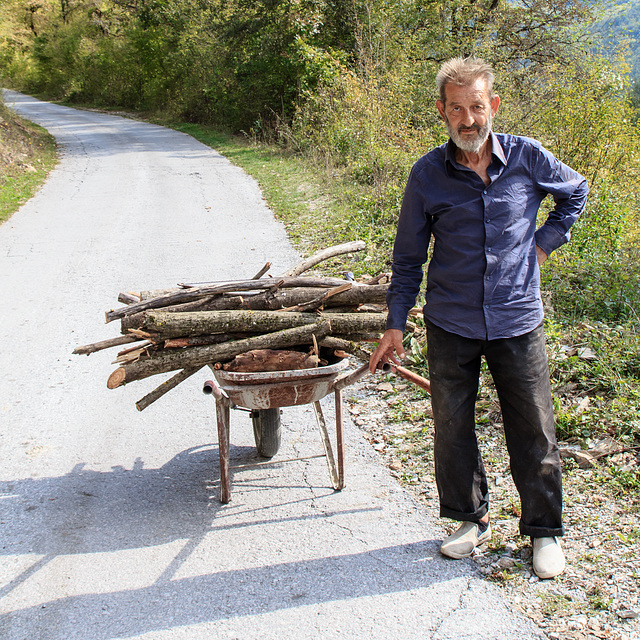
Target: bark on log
[(106, 344), (194, 293), (325, 254), (281, 299), (199, 341), (173, 325), (200, 356), (319, 301), (166, 386)]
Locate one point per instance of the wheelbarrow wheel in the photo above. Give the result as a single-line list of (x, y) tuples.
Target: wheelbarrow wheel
[(266, 430)]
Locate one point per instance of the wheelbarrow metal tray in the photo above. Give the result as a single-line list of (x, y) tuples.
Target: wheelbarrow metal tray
[(270, 389)]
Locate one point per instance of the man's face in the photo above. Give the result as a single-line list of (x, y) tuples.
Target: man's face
[(468, 113)]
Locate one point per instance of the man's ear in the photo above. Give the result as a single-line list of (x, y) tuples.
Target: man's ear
[(440, 106), (495, 104)]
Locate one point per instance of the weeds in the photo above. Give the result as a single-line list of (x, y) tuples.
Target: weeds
[(27, 154)]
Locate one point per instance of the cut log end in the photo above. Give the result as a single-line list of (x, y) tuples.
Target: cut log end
[(117, 378)]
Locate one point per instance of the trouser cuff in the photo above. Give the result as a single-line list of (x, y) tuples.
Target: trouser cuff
[(461, 516), (541, 532)]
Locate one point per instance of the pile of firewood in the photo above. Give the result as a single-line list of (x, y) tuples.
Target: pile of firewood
[(265, 323)]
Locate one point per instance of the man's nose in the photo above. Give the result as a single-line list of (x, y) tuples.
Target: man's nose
[(467, 118)]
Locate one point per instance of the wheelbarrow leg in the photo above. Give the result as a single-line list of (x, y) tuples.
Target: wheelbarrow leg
[(336, 472), (339, 435), (222, 416)]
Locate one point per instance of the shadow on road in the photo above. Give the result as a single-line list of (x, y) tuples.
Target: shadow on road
[(86, 512)]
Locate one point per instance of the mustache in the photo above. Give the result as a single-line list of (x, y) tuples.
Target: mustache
[(473, 127)]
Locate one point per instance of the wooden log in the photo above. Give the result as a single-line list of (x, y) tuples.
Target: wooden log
[(200, 356), (272, 360), (199, 341), (166, 386), (345, 345), (281, 299), (319, 301), (325, 254), (187, 295), (172, 325), (106, 344)]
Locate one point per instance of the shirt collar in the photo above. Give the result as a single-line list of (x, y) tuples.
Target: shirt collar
[(496, 150)]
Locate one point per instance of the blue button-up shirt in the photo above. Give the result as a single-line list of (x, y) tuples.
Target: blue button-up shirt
[(483, 279)]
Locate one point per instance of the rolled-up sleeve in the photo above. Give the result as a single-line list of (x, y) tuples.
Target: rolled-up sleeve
[(409, 253), (569, 191)]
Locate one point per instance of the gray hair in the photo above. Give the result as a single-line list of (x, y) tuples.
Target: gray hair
[(463, 72)]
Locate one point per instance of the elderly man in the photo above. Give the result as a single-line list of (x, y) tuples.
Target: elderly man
[(478, 197)]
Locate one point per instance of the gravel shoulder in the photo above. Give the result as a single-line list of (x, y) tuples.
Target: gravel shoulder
[(599, 594)]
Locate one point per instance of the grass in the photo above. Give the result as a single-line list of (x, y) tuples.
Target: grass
[(27, 155), (317, 204)]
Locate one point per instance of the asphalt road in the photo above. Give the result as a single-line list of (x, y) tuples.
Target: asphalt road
[(110, 524)]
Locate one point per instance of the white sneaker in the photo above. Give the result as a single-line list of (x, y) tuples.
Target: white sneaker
[(548, 559), (462, 542)]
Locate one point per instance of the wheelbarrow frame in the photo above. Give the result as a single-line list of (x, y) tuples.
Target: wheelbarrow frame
[(276, 389)]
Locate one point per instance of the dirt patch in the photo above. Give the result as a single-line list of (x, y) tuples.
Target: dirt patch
[(599, 594)]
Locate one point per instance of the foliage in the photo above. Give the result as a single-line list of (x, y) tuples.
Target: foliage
[(27, 154), (350, 85), (620, 25)]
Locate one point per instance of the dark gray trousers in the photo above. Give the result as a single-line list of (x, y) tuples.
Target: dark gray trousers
[(520, 372)]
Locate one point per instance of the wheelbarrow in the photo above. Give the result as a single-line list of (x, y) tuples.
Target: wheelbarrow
[(262, 394)]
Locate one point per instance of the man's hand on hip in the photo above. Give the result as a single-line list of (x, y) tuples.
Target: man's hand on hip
[(390, 344)]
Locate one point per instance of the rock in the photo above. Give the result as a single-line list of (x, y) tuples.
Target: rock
[(384, 386), (506, 563), (583, 405), (584, 459), (577, 623), (585, 353), (628, 614), (396, 465)]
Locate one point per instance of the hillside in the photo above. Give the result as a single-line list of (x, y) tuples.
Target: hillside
[(622, 23)]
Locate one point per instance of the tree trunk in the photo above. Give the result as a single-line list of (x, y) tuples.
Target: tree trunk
[(171, 325)]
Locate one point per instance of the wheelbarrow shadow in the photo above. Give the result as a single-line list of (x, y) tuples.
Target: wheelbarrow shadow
[(87, 511)]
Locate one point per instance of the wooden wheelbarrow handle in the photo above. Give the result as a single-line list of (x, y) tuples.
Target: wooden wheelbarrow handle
[(387, 367), (423, 383)]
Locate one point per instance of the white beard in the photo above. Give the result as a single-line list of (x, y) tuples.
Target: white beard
[(472, 145)]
